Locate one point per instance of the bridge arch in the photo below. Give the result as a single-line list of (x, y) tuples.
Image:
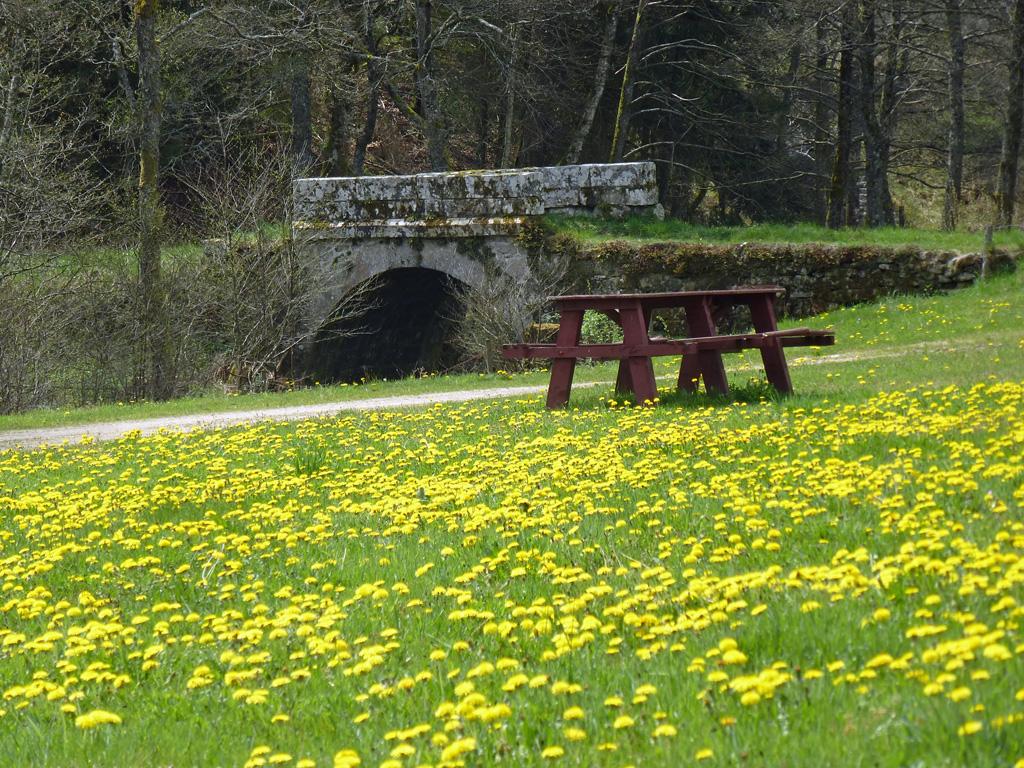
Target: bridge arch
[(420, 233), (404, 322), (470, 262)]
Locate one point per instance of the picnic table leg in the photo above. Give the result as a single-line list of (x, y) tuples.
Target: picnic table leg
[(624, 379), (708, 363), (641, 370), (762, 312), (689, 373), (562, 369)]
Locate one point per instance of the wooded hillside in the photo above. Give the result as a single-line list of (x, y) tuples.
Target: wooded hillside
[(835, 111), (129, 126)]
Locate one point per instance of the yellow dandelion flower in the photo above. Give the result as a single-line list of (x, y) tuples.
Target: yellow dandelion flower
[(969, 728), (96, 718), (347, 758)]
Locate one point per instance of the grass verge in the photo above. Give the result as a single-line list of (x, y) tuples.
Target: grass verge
[(649, 229)]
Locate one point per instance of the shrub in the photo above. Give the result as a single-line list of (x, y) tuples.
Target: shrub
[(599, 329)]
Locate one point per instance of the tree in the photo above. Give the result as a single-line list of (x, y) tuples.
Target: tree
[(148, 107), (622, 114), (955, 146), (839, 213), (1006, 191), (604, 58), (427, 87)]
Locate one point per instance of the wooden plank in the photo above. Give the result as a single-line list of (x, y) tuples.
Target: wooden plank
[(569, 327), (701, 322), (635, 321), (748, 290), (725, 343), (624, 376), (812, 339), (689, 373), (762, 312), (611, 302)]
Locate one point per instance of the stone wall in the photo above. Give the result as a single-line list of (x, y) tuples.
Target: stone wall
[(816, 277), (469, 203)]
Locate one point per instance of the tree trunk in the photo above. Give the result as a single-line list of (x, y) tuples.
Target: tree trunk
[(955, 149), (838, 192), (507, 159), (823, 149), (597, 89), (897, 66), (782, 119), (148, 103), (374, 77), (483, 131), (875, 151), (426, 89), (302, 114), (7, 123), (625, 107), (1006, 191), (366, 135), (336, 153)]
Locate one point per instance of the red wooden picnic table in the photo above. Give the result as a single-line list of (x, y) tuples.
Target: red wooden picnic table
[(701, 353)]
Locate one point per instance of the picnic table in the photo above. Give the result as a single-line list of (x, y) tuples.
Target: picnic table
[(701, 352)]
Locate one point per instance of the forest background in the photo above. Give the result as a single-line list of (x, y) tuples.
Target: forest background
[(132, 131)]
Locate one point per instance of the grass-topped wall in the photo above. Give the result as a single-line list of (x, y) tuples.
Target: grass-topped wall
[(816, 277)]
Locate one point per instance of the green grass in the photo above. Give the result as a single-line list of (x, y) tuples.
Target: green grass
[(649, 229), (219, 402), (892, 481), (966, 317)]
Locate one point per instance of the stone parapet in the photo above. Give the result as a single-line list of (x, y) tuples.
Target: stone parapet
[(468, 203)]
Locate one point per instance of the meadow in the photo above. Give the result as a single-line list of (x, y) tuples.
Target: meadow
[(646, 228), (835, 577)]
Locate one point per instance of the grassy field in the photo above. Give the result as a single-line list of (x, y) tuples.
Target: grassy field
[(990, 307), (831, 578), (650, 229)]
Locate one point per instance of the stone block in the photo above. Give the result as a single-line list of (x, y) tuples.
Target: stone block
[(600, 188)]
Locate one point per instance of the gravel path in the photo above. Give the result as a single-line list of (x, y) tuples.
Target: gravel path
[(111, 430), (30, 438)]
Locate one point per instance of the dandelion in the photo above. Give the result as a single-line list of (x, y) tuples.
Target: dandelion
[(346, 758), (734, 656), (97, 717), (457, 748), (969, 728)]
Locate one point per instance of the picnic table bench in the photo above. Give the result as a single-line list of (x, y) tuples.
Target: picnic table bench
[(701, 353)]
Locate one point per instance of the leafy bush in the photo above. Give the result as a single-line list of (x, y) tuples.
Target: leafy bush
[(599, 329)]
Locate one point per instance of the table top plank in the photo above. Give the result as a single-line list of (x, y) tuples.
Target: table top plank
[(755, 290), (649, 301)]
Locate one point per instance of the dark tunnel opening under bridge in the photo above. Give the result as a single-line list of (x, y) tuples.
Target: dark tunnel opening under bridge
[(404, 324)]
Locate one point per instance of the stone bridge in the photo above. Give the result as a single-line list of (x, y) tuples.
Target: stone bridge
[(422, 239)]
